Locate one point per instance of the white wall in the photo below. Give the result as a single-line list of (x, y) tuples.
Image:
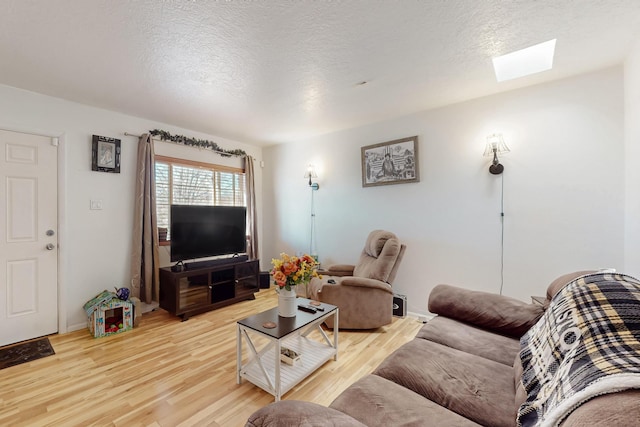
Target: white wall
[(563, 191), (96, 245), (632, 161)]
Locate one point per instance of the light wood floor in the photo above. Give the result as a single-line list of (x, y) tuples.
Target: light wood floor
[(172, 373)]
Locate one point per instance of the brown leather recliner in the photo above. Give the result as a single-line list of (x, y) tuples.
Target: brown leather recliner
[(363, 291)]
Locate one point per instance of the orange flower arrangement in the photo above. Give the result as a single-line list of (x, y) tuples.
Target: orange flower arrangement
[(290, 271)]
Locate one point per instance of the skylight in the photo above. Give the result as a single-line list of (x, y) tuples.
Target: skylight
[(524, 62)]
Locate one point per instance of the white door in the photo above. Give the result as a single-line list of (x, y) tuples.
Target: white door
[(28, 236)]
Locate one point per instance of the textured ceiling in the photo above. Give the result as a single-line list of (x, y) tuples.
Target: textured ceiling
[(266, 72)]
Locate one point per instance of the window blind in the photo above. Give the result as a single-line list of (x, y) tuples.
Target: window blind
[(189, 184)]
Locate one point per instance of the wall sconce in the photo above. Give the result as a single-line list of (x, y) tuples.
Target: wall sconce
[(495, 145), (311, 173)]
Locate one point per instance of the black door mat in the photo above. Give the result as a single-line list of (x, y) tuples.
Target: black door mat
[(16, 354)]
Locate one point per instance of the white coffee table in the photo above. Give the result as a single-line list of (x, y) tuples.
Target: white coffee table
[(263, 368)]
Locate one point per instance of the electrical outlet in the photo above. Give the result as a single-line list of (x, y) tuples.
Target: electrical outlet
[(96, 205)]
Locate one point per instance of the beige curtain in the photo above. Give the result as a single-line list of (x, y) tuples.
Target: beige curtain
[(252, 215), (145, 259)]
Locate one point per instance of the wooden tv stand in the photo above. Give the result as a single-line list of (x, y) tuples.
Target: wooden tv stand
[(199, 289)]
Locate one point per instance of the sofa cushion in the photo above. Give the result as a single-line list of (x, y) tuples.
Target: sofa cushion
[(378, 256), (617, 409), (376, 401), (521, 392), (470, 339), (559, 283), (376, 241), (479, 389), (504, 315), (295, 413)]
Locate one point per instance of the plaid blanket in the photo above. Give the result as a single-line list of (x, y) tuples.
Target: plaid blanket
[(586, 344)]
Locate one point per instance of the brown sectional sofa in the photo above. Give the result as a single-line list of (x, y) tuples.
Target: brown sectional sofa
[(458, 371)]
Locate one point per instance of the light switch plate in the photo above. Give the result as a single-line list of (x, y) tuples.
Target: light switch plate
[(96, 205)]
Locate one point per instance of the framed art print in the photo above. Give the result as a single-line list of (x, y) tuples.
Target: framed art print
[(105, 154), (392, 162)]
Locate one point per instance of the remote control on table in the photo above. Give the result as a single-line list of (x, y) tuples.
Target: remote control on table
[(307, 308)]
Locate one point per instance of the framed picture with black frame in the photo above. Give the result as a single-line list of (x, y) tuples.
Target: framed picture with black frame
[(105, 154), (392, 162)]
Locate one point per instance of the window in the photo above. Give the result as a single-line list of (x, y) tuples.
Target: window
[(183, 182)]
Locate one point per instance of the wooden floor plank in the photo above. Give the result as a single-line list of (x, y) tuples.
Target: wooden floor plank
[(171, 373)]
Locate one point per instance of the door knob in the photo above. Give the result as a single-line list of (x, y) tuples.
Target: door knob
[(50, 246)]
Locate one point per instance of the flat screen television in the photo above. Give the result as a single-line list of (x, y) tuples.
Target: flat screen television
[(205, 231)]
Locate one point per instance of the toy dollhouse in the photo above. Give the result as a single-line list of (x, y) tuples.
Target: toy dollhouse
[(108, 315)]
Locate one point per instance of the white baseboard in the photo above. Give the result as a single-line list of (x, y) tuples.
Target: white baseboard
[(424, 318)]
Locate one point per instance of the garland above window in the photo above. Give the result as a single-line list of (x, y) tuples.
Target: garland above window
[(194, 142)]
